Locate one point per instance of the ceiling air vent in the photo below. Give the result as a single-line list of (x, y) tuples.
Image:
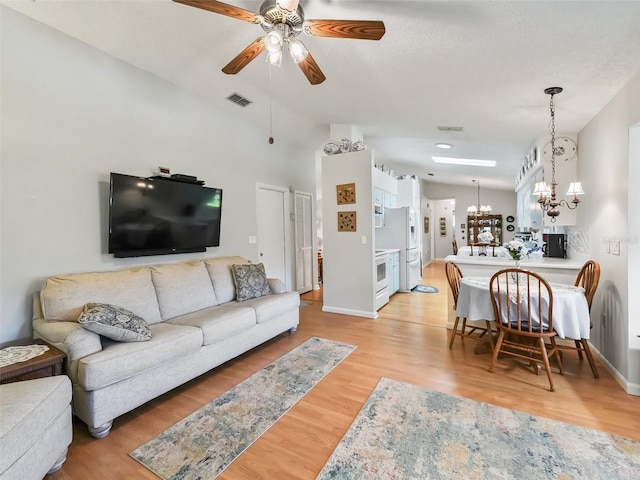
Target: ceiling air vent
[(449, 129), (239, 99)]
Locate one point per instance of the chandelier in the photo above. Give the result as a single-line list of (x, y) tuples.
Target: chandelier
[(547, 195), (479, 209)]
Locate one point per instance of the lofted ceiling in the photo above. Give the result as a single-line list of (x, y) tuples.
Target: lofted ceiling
[(480, 65)]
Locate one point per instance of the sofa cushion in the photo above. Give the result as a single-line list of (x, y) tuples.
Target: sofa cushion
[(64, 296), (119, 361), (182, 288), (219, 269), (114, 322), (250, 281), (29, 408), (269, 306), (218, 323)]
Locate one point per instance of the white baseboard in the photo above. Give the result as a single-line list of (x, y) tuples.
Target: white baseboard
[(630, 388), (347, 311)]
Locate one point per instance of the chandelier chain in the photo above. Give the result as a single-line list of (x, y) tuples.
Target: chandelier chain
[(553, 140)]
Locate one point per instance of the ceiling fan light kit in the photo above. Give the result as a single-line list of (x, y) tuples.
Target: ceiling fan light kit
[(283, 21), (547, 198)]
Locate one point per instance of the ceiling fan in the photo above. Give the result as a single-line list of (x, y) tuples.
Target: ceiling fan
[(283, 21)]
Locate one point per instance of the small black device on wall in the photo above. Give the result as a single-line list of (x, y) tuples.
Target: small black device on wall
[(555, 245), (159, 216)]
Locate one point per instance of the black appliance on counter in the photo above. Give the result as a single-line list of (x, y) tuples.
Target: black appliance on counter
[(555, 245)]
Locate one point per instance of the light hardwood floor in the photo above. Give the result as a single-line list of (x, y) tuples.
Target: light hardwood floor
[(408, 342)]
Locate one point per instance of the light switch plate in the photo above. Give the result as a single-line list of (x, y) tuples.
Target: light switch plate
[(253, 239), (615, 247)]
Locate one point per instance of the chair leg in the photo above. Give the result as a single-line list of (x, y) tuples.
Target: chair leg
[(490, 332), (556, 353), (545, 359), (496, 350), (463, 332), (587, 351), (453, 333), (579, 348)]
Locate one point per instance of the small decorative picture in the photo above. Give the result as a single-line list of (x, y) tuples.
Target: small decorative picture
[(426, 224), (443, 226), (346, 193), (347, 221)]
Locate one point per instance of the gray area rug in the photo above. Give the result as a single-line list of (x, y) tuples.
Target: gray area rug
[(203, 444), (410, 432)]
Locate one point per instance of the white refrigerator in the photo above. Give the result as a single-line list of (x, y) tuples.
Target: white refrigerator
[(400, 230)]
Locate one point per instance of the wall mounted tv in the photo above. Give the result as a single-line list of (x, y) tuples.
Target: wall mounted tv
[(159, 216)]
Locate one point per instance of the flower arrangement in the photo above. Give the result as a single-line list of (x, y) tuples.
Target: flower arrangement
[(485, 237), (519, 249)]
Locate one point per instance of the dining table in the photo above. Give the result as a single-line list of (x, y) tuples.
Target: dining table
[(570, 309)]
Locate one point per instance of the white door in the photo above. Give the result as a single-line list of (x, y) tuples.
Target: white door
[(273, 213), (304, 241)]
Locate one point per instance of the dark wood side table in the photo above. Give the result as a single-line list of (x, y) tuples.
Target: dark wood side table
[(46, 365)]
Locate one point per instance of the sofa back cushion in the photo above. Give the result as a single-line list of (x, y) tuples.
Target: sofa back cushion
[(64, 296), (182, 288), (219, 269)]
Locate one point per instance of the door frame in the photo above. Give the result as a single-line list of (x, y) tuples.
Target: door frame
[(286, 220)]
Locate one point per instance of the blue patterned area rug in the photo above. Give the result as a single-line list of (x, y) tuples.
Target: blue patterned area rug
[(425, 289), (410, 432), (203, 444)]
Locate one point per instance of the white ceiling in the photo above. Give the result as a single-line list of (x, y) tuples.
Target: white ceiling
[(481, 65)]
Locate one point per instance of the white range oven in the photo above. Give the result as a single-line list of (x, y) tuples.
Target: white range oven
[(382, 279)]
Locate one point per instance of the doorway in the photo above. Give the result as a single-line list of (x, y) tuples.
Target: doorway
[(274, 231), (304, 260)]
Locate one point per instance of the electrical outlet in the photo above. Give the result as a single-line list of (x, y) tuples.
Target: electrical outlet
[(363, 240), (608, 247)]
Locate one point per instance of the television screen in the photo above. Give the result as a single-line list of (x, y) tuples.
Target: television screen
[(157, 216)]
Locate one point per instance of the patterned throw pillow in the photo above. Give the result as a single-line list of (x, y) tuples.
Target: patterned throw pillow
[(250, 281), (113, 322)]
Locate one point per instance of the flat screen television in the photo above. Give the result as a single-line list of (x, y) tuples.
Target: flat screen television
[(159, 216)]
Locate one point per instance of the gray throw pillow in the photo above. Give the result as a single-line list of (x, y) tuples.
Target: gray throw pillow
[(250, 281), (113, 322)]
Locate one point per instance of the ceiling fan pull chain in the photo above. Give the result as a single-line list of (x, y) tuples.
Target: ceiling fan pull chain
[(270, 109)]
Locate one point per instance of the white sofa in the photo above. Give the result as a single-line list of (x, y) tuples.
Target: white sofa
[(35, 427), (195, 321)]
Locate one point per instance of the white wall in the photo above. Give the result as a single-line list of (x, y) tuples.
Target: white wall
[(610, 186), (443, 209), (70, 115)]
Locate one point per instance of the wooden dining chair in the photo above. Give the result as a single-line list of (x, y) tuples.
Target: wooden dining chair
[(454, 244), (588, 278), (454, 275), (523, 310)]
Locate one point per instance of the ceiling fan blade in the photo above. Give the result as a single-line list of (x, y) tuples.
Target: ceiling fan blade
[(312, 71), (223, 9), (358, 29), (244, 57)]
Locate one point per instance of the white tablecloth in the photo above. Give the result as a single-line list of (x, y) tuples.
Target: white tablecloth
[(570, 308)]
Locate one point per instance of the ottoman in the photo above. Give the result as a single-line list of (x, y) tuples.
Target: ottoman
[(35, 427)]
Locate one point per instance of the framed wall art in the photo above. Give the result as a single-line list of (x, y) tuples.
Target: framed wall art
[(426, 224), (443, 226), (347, 221), (346, 193)]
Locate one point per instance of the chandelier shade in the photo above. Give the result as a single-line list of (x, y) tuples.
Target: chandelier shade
[(547, 197)]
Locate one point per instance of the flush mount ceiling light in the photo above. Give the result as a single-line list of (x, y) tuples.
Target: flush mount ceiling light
[(474, 162), (547, 195), (444, 145)]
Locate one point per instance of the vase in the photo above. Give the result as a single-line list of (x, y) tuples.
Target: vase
[(514, 275)]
